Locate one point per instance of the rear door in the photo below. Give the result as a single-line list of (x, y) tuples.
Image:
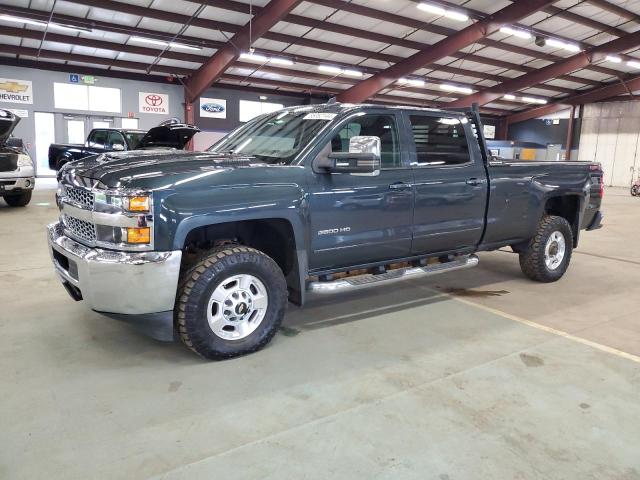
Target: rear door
[(449, 182), (356, 218)]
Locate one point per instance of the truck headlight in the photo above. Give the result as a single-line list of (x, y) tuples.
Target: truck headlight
[(126, 202), (137, 204), (24, 160)]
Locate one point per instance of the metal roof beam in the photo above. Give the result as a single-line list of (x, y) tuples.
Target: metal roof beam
[(209, 72), (211, 24), (615, 9), (594, 95), (570, 64), (443, 48), (444, 31), (195, 58)]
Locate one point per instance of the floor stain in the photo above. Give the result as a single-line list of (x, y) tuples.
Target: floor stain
[(585, 406), (463, 292), (289, 332), (174, 386), (531, 360)]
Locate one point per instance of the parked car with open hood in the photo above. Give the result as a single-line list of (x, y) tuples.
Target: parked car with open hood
[(17, 177), (169, 134)]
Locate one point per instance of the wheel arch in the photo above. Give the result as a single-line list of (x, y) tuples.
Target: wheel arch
[(281, 238), (569, 207)]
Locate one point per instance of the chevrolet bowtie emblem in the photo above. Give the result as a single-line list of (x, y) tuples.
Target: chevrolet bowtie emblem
[(13, 87)]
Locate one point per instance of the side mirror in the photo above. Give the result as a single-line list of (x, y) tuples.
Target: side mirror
[(362, 158), (117, 147)]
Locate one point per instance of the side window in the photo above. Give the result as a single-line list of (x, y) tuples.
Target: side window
[(383, 126), (98, 139), (439, 141), (115, 138)]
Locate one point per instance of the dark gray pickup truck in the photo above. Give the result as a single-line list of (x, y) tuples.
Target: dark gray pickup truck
[(315, 199)]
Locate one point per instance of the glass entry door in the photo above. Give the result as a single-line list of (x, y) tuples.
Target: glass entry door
[(76, 128)]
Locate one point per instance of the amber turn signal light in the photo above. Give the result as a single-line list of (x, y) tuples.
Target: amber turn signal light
[(138, 204), (138, 235)]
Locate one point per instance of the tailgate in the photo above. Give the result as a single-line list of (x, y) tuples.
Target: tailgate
[(592, 209)]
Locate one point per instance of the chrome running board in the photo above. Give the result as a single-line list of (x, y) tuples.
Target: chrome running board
[(371, 280)]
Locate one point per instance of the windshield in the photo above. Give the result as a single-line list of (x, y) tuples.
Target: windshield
[(276, 138), (133, 138)]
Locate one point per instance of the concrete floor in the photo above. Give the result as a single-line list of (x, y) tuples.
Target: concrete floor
[(471, 375)]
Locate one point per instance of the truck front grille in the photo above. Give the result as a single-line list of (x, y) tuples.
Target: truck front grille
[(79, 228), (8, 162), (80, 196)]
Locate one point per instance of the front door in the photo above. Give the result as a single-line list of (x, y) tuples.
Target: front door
[(355, 218), (450, 184)]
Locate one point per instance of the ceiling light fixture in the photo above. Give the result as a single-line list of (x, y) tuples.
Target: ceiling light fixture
[(509, 97), (28, 21), (516, 33), (613, 59), (339, 71), (443, 12), (455, 88), (280, 61), (161, 43), (414, 82), (539, 101), (254, 57), (633, 64), (571, 47), (330, 69)]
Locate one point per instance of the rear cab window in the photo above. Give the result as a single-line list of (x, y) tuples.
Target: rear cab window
[(439, 140)]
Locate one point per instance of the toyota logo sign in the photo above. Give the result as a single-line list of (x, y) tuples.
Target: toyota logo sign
[(153, 100), (154, 103)]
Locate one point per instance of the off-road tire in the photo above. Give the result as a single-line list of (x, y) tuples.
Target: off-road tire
[(20, 200), (199, 281), (532, 258)]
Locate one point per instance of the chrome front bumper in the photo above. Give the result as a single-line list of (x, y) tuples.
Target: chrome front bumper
[(112, 281)]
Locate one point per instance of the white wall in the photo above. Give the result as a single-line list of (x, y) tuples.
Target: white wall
[(43, 81), (610, 135)]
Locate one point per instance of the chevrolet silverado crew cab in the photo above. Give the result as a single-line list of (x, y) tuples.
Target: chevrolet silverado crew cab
[(315, 199), (17, 176), (169, 134)]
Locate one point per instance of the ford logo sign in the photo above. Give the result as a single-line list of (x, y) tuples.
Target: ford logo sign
[(212, 107)]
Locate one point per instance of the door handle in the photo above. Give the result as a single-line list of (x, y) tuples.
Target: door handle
[(400, 186), (474, 182)]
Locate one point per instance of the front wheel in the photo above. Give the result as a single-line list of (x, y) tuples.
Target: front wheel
[(230, 303), (547, 255), (20, 200), (635, 190)]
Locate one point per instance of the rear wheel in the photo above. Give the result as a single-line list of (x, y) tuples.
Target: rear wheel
[(230, 303), (19, 200), (547, 256), (635, 190)]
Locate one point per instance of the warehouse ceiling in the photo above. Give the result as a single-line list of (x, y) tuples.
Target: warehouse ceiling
[(328, 46)]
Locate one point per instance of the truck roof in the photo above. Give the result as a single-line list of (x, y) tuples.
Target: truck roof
[(119, 129), (336, 107)]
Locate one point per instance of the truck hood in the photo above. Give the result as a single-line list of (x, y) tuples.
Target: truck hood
[(8, 121), (171, 135), (151, 169)]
